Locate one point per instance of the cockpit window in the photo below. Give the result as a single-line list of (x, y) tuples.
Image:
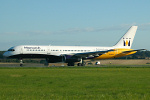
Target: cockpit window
[(11, 49)]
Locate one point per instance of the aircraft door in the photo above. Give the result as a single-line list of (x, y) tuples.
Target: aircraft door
[(48, 50), (21, 51)]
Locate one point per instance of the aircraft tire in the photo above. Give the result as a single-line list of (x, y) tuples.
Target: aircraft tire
[(71, 64), (79, 64)]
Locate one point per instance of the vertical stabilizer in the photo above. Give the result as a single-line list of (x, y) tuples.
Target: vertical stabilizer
[(127, 40)]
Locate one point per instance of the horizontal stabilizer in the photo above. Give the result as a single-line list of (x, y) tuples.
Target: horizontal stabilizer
[(133, 50)]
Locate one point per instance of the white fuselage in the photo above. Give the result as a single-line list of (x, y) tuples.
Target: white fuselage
[(52, 50)]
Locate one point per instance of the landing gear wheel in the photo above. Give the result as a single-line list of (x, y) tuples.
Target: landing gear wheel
[(81, 64), (21, 65), (71, 64)]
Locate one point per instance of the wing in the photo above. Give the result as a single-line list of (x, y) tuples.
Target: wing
[(91, 54)]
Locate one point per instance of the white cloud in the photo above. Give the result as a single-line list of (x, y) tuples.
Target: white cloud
[(9, 33), (144, 26)]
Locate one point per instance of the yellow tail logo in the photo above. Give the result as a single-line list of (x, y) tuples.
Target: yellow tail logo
[(126, 42)]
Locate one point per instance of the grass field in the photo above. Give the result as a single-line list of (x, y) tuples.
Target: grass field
[(71, 83)]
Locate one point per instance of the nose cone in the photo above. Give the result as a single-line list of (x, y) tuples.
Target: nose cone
[(6, 54)]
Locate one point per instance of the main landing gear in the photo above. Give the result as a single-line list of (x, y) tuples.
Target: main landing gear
[(82, 63), (70, 63)]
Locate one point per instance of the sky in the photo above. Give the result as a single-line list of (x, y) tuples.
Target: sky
[(73, 22)]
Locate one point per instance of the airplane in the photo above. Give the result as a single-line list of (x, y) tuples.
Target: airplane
[(72, 54)]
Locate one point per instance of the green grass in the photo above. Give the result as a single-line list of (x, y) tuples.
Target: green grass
[(63, 83)]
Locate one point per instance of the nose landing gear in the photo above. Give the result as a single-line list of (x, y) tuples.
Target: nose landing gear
[(21, 62)]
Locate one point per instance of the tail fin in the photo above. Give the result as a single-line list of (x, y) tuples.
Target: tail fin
[(127, 40)]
